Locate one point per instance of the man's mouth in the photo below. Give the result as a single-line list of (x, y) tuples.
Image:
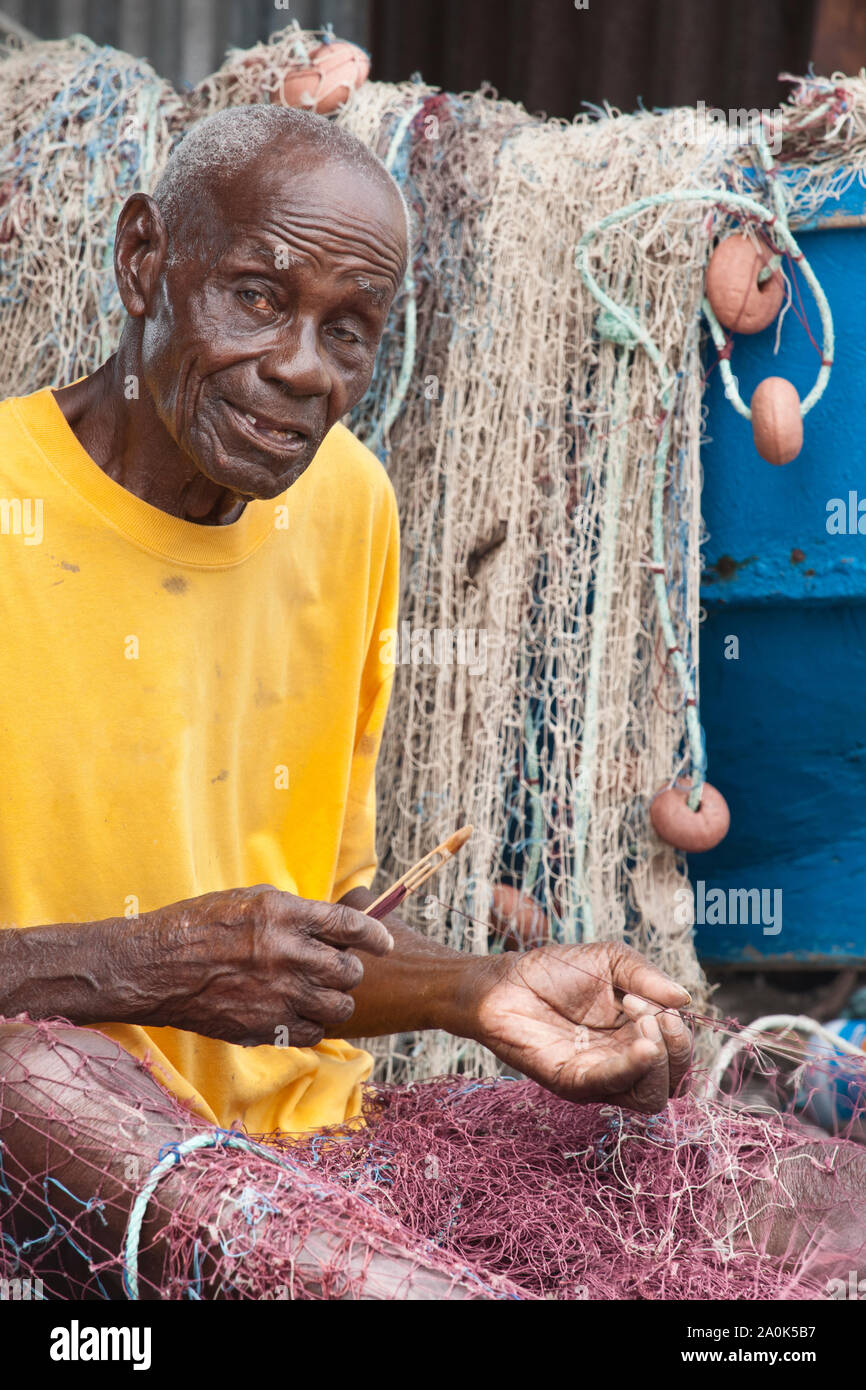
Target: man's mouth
[(283, 437)]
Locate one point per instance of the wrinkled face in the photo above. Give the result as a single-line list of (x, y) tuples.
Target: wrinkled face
[(252, 354)]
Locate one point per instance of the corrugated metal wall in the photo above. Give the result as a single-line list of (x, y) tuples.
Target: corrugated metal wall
[(185, 39), (546, 53)]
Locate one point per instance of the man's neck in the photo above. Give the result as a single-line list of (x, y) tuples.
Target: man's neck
[(129, 442)]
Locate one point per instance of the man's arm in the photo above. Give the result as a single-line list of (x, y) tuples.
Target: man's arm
[(239, 964), (590, 1023), (64, 970), (424, 985), (234, 965)]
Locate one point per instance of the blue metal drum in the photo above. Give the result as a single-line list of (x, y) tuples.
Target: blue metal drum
[(783, 648)]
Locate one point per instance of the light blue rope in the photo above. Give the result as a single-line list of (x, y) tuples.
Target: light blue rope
[(210, 1139), (410, 329), (732, 201), (782, 234), (215, 1139)]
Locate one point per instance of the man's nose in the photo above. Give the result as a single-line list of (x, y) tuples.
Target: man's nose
[(296, 361)]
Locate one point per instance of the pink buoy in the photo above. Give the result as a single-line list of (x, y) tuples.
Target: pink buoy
[(518, 920), (777, 423), (694, 831), (741, 302), (335, 70)]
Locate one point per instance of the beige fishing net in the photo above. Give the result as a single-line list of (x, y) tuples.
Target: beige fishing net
[(501, 470)]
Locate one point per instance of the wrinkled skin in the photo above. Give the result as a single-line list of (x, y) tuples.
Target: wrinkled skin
[(232, 963), (567, 1018), (210, 338)]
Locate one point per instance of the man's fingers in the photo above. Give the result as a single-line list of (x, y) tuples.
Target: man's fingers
[(634, 974), (328, 1007), (652, 1087), (652, 1091), (678, 1041), (340, 925), (326, 965), (636, 1007), (673, 1033), (621, 1070)]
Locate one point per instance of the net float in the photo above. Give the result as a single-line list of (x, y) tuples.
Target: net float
[(694, 831), (777, 422), (518, 920), (334, 71), (739, 300)]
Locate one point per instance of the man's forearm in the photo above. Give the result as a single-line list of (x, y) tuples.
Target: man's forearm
[(420, 984), (67, 970), (111, 971)]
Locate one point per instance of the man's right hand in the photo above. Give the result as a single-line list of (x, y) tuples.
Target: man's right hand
[(243, 963)]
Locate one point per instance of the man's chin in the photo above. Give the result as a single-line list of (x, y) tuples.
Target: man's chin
[(254, 481)]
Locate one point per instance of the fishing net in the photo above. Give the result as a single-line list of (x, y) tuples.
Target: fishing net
[(499, 460), (452, 1188), (81, 127), (500, 402), (504, 403)]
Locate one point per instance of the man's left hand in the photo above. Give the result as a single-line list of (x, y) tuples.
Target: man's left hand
[(576, 1019)]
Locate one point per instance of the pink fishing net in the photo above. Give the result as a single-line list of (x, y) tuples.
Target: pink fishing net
[(453, 1188)]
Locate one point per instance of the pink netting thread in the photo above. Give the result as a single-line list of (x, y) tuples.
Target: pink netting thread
[(454, 1188)]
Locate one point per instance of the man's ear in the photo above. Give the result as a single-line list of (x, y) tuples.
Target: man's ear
[(140, 252)]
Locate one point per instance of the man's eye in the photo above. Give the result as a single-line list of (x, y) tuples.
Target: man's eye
[(254, 299), (345, 335)]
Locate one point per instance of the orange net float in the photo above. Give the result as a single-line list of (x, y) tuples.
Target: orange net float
[(327, 81), (693, 831), (777, 420), (517, 919), (739, 300)]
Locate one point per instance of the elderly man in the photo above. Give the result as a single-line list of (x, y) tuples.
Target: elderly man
[(193, 695)]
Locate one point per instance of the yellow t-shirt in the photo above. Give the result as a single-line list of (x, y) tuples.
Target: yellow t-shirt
[(186, 708)]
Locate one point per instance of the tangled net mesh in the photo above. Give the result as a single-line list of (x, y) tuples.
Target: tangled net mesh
[(81, 127), (453, 1188), (498, 441)]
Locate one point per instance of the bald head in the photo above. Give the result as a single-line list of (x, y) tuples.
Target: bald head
[(233, 144)]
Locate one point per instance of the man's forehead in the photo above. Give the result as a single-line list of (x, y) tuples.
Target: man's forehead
[(276, 255), (270, 211), (282, 184)]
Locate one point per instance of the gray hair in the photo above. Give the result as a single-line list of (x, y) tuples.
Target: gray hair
[(221, 145)]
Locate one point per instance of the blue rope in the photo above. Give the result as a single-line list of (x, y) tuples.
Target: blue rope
[(211, 1139), (411, 313)]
